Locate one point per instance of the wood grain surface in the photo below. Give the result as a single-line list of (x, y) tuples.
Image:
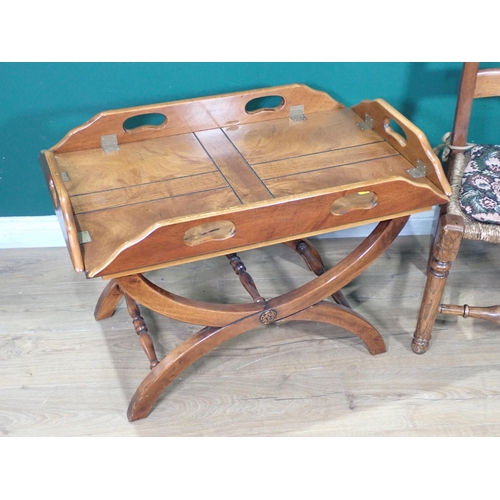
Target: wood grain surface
[(64, 374)]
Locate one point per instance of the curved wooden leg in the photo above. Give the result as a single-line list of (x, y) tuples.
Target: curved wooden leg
[(229, 320), (343, 273), (344, 317), (180, 308), (181, 358), (449, 235), (108, 301), (204, 313), (209, 338)]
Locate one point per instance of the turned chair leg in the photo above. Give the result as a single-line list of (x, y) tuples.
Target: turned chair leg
[(449, 235)]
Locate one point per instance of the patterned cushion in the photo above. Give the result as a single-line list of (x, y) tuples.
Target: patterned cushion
[(480, 191)]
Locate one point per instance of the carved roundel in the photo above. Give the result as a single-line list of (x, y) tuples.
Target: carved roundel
[(268, 316)]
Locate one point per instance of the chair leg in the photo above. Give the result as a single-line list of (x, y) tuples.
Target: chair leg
[(449, 235)]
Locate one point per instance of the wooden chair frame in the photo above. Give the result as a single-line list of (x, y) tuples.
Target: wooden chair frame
[(454, 225)]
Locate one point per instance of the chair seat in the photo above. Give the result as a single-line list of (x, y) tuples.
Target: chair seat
[(480, 186)]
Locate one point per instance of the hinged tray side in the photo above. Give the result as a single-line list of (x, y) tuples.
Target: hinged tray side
[(194, 115), (63, 208), (414, 147), (256, 225)]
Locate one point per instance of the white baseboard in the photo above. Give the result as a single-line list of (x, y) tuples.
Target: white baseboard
[(30, 232), (44, 231)]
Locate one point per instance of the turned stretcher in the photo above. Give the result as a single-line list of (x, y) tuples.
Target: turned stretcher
[(144, 188)]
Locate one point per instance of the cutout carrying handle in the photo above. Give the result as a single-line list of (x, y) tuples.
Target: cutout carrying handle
[(144, 122), (362, 200), (268, 103), (195, 115), (398, 136), (210, 231)]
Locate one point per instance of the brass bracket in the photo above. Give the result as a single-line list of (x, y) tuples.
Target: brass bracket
[(420, 170), (367, 124), (297, 113), (109, 143), (84, 237)]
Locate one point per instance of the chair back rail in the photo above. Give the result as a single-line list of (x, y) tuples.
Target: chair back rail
[(487, 83)]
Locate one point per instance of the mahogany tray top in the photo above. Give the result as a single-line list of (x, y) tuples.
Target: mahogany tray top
[(215, 178)]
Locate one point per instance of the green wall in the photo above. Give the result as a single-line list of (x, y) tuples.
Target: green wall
[(41, 102)]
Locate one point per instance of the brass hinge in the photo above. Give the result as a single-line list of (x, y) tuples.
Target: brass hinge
[(297, 113), (109, 143), (420, 170), (367, 124), (84, 237)]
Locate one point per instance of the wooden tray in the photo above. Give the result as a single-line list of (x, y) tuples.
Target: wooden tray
[(214, 178)]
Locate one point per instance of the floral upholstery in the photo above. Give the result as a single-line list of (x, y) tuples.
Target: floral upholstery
[(480, 191)]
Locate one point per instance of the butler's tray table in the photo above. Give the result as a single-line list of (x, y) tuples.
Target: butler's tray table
[(217, 175)]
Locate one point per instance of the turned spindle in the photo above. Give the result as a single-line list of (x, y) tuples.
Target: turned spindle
[(491, 314), (245, 279), (142, 330), (313, 261), (314, 264)]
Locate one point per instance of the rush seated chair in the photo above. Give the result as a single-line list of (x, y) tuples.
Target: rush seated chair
[(473, 211)]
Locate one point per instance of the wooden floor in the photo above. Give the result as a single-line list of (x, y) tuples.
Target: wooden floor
[(64, 374)]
